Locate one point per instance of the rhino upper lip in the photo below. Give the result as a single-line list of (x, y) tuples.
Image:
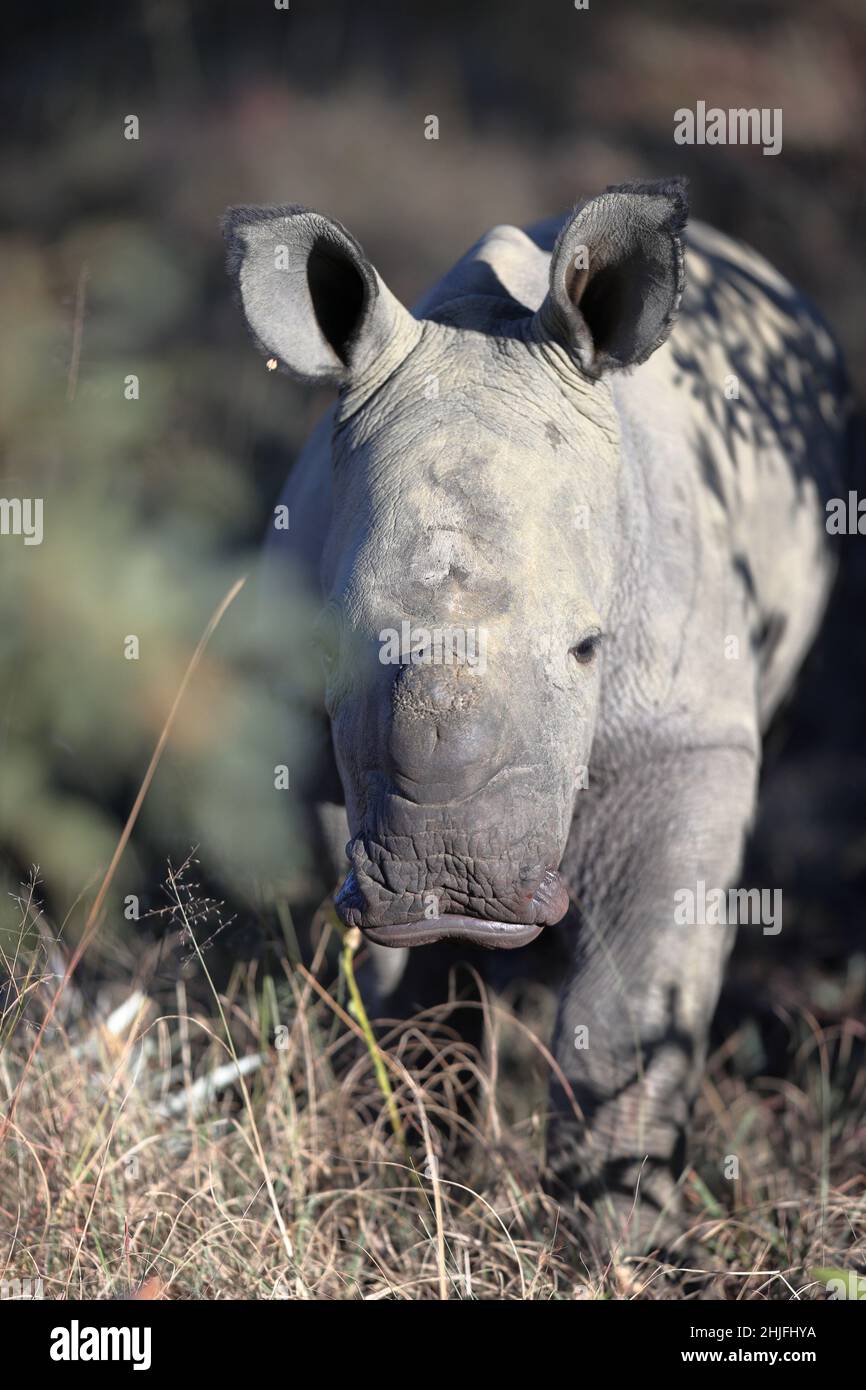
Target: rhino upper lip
[(548, 905)]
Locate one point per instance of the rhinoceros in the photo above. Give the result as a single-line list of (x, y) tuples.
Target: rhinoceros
[(595, 455)]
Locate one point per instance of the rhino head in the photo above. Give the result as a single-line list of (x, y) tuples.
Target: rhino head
[(470, 566)]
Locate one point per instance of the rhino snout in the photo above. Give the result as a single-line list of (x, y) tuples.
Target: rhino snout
[(446, 736)]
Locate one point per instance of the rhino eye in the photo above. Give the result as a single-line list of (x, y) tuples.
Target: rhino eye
[(586, 648)]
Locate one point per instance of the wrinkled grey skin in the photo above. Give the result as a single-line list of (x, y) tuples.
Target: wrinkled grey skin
[(550, 449)]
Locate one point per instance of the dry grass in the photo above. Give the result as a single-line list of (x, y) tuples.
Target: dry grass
[(239, 1145)]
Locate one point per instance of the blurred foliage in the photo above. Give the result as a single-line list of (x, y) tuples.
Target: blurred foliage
[(149, 514)]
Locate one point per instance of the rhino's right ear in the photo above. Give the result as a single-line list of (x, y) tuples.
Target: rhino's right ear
[(310, 295)]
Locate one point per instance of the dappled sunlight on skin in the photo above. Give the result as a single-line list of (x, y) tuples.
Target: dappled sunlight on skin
[(788, 370)]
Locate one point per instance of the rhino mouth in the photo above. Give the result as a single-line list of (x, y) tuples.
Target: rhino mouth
[(470, 931), (546, 906)]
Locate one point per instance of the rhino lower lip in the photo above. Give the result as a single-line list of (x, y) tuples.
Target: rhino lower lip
[(474, 931)]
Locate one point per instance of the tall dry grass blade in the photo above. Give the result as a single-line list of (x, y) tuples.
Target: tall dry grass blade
[(248, 1104)]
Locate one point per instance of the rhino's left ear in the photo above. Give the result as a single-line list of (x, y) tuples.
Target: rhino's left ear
[(616, 276), (310, 295)]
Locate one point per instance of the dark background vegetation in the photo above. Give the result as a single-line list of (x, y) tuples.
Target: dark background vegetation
[(111, 263)]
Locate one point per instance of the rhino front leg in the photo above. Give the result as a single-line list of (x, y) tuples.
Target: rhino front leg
[(634, 1015)]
